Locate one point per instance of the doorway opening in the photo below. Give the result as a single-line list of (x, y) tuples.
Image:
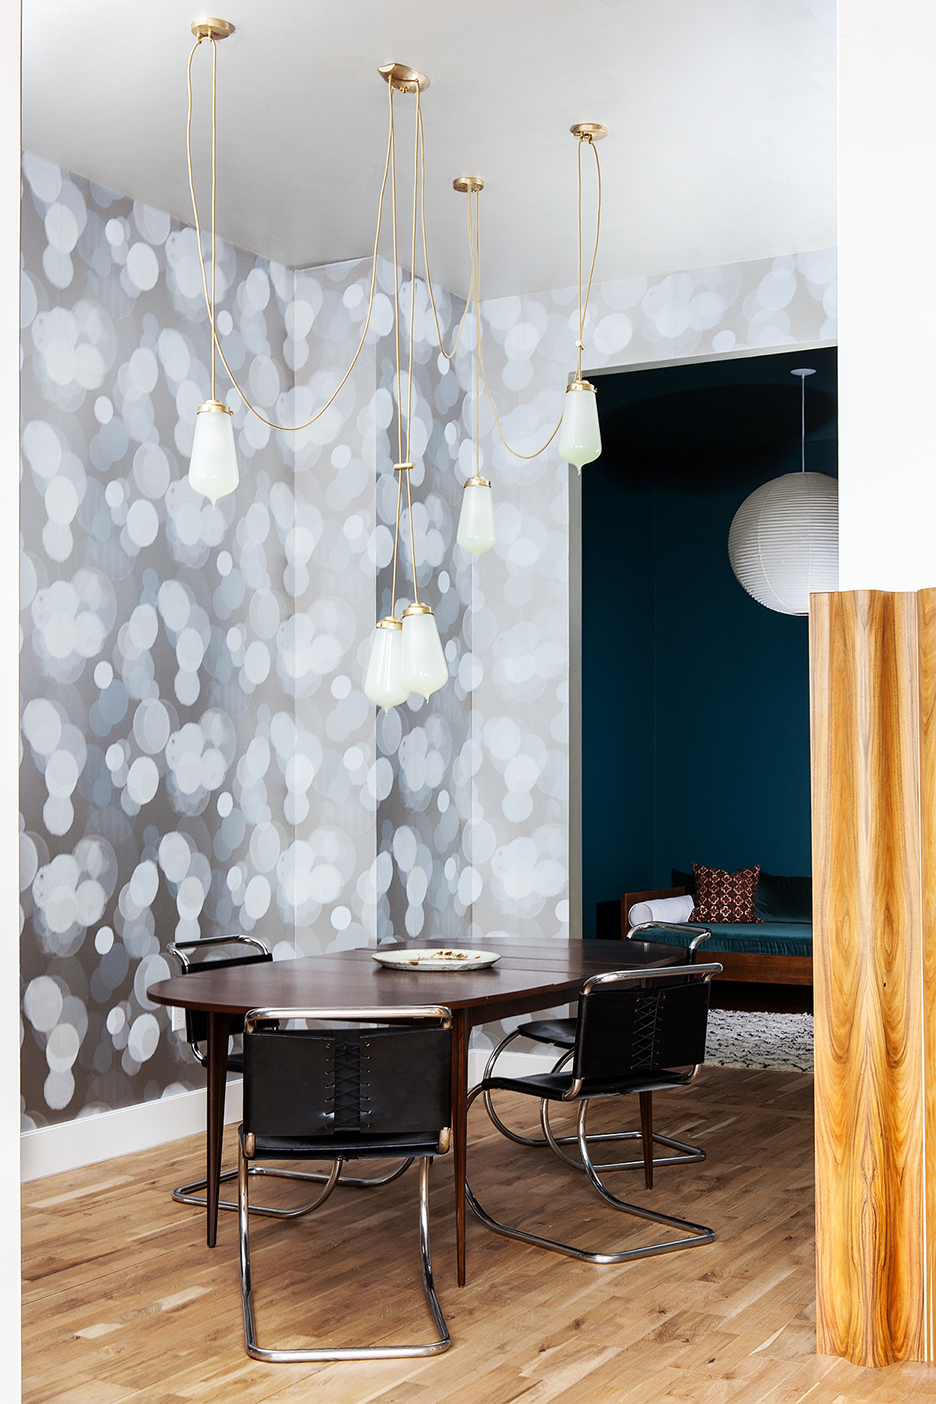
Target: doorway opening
[(692, 743)]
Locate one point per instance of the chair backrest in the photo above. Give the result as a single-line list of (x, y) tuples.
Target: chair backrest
[(623, 1029), (322, 1082), (196, 1020)]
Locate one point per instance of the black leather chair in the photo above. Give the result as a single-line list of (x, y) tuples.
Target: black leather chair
[(380, 1089), (560, 1033), (635, 1033), (196, 1033)]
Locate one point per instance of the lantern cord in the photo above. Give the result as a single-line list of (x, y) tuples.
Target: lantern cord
[(583, 303), (803, 425), (209, 297)]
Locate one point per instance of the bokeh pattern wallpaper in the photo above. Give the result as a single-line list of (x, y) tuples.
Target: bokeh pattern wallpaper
[(198, 756)]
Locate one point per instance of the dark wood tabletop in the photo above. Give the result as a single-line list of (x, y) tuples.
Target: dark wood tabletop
[(529, 976)]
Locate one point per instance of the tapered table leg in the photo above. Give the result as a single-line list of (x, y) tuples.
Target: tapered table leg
[(219, 1029), (460, 1034)]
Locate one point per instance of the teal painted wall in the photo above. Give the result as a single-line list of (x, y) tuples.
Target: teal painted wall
[(695, 744)]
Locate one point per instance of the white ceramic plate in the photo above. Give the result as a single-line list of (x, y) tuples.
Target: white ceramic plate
[(440, 958)]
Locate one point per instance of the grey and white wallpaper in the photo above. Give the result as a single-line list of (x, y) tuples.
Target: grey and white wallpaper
[(198, 754)]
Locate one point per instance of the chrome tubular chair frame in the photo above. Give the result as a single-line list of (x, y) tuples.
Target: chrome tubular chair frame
[(695, 1233), (247, 1147), (575, 1090), (189, 1193), (689, 1153)]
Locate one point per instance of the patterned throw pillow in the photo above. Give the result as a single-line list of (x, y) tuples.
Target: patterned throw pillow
[(725, 897)]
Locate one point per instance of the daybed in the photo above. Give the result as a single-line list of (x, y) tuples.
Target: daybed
[(777, 950)]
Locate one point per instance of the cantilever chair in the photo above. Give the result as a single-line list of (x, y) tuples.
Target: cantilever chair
[(196, 1032), (345, 1093), (628, 1039), (560, 1033)]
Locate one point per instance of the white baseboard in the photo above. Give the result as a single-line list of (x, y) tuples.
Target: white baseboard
[(48, 1150), (510, 1064), (67, 1146)]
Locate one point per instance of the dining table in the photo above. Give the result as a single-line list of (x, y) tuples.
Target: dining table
[(528, 976)]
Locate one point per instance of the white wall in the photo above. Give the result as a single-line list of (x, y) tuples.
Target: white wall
[(887, 273)]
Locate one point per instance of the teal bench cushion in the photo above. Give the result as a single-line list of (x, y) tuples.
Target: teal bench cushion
[(766, 938)]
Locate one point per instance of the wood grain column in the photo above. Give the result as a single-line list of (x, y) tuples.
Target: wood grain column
[(873, 690)]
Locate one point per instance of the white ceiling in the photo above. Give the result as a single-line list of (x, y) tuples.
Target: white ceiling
[(721, 117)]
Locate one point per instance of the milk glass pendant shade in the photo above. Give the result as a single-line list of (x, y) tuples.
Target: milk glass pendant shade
[(213, 467), (383, 683), (476, 522), (424, 666), (579, 434), (783, 543)]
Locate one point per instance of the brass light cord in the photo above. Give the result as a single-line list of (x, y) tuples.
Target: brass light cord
[(579, 345), (396, 328), (412, 346), (204, 271), (476, 274), (396, 544), (214, 187), (475, 263), (285, 428), (425, 244), (583, 309), (412, 326), (396, 276), (583, 306)]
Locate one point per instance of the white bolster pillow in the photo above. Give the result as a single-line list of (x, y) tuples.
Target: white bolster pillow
[(675, 909)]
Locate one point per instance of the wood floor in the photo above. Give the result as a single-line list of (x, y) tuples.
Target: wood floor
[(123, 1301)]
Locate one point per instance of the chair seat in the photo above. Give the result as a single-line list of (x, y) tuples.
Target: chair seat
[(561, 1032), (553, 1086), (349, 1146)]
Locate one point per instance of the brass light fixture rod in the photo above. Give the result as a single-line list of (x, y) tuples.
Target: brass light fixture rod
[(211, 28), (403, 78), (468, 185)]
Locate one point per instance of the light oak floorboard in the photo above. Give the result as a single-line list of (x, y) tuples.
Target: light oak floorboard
[(124, 1304)]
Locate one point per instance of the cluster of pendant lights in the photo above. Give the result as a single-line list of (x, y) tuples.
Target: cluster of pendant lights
[(407, 652)]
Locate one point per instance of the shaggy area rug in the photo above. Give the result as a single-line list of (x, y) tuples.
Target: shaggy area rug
[(738, 1039)]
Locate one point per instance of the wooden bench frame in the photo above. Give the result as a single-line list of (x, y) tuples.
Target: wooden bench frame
[(759, 969)]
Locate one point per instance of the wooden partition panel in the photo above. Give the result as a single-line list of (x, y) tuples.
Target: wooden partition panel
[(873, 672)]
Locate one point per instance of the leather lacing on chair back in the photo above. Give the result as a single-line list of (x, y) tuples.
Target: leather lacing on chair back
[(625, 1030), (347, 1085), (644, 1033)]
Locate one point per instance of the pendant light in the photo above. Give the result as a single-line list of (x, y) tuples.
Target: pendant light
[(213, 465), (783, 542), (406, 654), (383, 682), (579, 434), (476, 519)]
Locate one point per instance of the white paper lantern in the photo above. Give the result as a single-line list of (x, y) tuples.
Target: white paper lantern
[(783, 543)]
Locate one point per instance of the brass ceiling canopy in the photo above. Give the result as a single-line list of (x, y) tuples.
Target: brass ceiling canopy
[(467, 185), (211, 28), (589, 131), (403, 78)]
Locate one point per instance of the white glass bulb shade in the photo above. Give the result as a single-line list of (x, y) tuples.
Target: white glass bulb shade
[(783, 542), (476, 522), (424, 666), (383, 682), (579, 434), (213, 466)]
